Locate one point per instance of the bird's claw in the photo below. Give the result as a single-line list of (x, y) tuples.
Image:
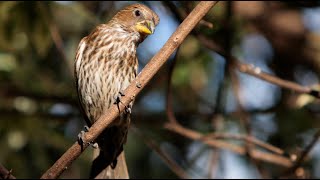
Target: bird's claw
[(118, 101), (138, 85), (81, 137), (128, 110), (94, 145), (86, 128), (117, 98), (121, 93)]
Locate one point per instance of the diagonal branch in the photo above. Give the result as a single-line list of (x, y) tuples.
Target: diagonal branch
[(133, 89)]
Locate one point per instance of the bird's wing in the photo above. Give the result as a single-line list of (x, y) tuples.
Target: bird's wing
[(79, 56)]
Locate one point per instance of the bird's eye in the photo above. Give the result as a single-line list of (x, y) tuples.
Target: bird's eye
[(137, 13)]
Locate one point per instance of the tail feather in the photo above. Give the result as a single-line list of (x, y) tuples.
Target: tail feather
[(119, 172), (109, 161)]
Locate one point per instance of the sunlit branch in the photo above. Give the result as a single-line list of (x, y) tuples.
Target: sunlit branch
[(132, 90)]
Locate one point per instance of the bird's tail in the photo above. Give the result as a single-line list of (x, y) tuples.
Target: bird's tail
[(109, 160), (100, 171)]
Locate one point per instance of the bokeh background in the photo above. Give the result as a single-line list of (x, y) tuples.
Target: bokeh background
[(39, 112)]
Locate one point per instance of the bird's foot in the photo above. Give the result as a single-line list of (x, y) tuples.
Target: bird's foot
[(118, 101), (81, 137), (138, 84)]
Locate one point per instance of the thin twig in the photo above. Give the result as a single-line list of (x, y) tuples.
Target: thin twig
[(173, 9), (181, 173), (213, 164), (54, 32), (245, 68), (303, 155), (244, 138), (244, 116), (256, 154), (169, 108), (132, 90), (5, 174), (258, 73)]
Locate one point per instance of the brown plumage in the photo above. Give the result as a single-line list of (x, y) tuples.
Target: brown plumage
[(105, 64)]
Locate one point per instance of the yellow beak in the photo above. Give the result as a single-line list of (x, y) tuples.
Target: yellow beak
[(145, 27)]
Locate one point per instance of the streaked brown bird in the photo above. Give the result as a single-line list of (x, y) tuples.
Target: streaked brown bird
[(105, 64)]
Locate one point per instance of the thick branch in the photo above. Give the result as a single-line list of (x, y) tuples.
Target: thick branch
[(133, 89)]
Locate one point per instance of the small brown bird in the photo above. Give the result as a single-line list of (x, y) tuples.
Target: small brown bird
[(105, 64)]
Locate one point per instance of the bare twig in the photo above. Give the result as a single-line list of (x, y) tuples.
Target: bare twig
[(213, 164), (256, 154), (166, 158), (246, 68), (169, 108), (5, 174), (244, 138), (258, 73), (173, 8), (56, 37), (303, 155), (132, 90), (244, 116)]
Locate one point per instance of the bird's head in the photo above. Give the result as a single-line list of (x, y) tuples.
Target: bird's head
[(138, 18)]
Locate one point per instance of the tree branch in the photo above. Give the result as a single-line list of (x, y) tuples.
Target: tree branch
[(257, 72), (244, 138), (303, 155), (256, 154), (169, 109), (5, 174), (133, 89), (245, 68)]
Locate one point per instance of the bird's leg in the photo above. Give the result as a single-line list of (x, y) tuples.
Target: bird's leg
[(81, 137), (138, 84), (127, 108)]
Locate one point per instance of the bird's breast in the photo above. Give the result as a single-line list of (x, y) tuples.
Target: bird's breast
[(105, 75)]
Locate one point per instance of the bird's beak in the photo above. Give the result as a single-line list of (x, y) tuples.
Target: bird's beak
[(145, 27)]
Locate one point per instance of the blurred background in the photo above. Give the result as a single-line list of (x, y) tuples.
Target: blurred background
[(39, 111)]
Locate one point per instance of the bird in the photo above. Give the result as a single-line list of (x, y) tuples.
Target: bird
[(105, 64)]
